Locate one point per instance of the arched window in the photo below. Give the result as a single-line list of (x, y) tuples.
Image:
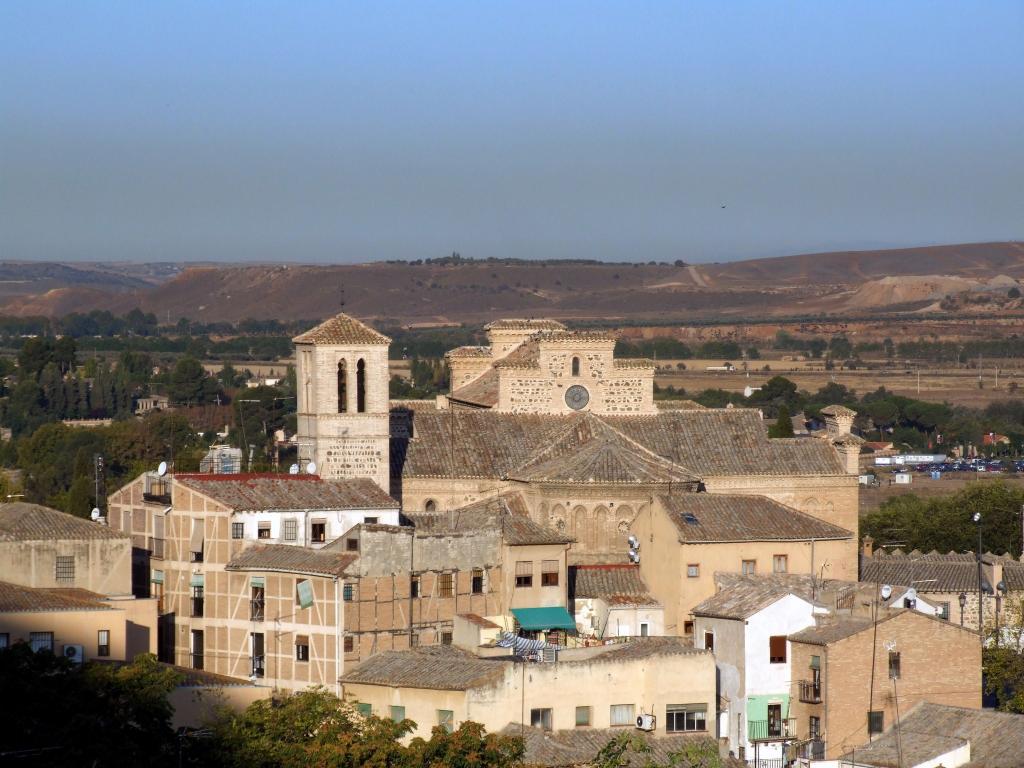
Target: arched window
[(575, 366), (342, 387), (430, 506), (361, 387)]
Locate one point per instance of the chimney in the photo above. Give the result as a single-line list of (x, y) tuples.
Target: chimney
[(849, 451), (868, 546), (838, 421)]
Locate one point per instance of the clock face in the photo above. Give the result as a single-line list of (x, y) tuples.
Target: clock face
[(577, 397)]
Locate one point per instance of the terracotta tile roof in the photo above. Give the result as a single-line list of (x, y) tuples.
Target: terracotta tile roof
[(15, 598), (935, 572), (479, 621), (273, 491), (440, 667), (708, 443), (524, 324), (469, 352), (929, 730), (328, 561), (341, 329), (838, 410), (743, 599), (482, 391), (582, 337), (634, 362), (839, 628), (526, 355), (714, 517), (21, 521), (679, 405), (590, 451), (619, 584), (579, 747), (506, 513)]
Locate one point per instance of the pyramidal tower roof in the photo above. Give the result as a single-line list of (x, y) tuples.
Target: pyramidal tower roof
[(342, 329)]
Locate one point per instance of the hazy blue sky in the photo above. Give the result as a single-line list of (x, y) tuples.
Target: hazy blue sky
[(334, 132)]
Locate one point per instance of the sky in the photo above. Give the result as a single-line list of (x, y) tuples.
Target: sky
[(337, 132)]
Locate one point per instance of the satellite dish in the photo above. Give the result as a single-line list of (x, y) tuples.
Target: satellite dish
[(634, 542), (95, 514), (911, 594), (293, 469), (634, 556), (890, 645), (311, 468), (977, 516), (161, 470), (886, 591)]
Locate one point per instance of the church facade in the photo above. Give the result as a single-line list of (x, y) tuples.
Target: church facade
[(550, 416)]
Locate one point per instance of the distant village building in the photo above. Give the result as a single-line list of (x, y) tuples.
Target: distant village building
[(222, 460), (150, 403)]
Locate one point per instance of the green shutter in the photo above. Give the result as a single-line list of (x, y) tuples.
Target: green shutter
[(398, 714), (258, 581), (157, 577), (815, 662), (305, 593), (364, 709), (198, 580)]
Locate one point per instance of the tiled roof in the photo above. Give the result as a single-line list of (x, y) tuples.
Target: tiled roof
[(15, 598), (524, 324), (929, 730), (482, 391), (742, 600), (342, 329), (579, 747), (620, 584), (21, 521), (633, 362), (440, 667), (506, 513), (802, 585), (679, 405), (590, 451), (469, 352), (713, 517), (708, 443), (583, 337), (479, 621), (839, 628), (838, 410), (935, 572), (526, 355), (328, 561), (271, 491)]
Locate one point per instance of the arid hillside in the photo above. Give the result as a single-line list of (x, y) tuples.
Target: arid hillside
[(842, 284)]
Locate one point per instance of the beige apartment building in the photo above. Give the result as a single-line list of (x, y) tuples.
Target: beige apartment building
[(600, 687), (849, 676)]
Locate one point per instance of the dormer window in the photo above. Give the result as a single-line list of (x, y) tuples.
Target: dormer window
[(575, 366)]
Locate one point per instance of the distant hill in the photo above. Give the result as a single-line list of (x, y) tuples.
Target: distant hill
[(471, 291)]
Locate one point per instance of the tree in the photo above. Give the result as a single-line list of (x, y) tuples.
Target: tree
[(629, 749), (1002, 659), (783, 426), (189, 383)]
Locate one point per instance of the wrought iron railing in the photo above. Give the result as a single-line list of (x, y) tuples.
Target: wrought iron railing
[(810, 691), (771, 730)]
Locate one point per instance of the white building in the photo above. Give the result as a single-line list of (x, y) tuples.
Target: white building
[(613, 601)]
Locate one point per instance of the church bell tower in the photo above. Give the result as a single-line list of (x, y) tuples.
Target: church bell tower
[(341, 371)]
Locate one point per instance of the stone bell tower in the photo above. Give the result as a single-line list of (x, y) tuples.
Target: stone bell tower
[(341, 369)]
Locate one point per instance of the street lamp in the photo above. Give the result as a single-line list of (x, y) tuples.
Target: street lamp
[(981, 605), (963, 603)]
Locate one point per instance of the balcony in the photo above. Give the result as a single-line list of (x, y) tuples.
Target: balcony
[(197, 660), (256, 610), (771, 730), (812, 750), (257, 666), (156, 547), (810, 692)]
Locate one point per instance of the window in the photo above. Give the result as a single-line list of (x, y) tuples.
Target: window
[(687, 628), (364, 709), (582, 716), (238, 530), (398, 714), (681, 718), (777, 649), (645, 629), (446, 638), (943, 612), (621, 714), (263, 531), (361, 386), (524, 574), (257, 602), (302, 647), (65, 569), (549, 573), (876, 721), (350, 643), (430, 506), (103, 642), (780, 564), (894, 665), (290, 529), (709, 640), (41, 641), (446, 719), (749, 567), (446, 585), (477, 583), (195, 542), (693, 570), (814, 728), (5, 640), (318, 531), (575, 366), (540, 718), (414, 586), (197, 649), (198, 600), (348, 592), (351, 545), (370, 520), (342, 387)]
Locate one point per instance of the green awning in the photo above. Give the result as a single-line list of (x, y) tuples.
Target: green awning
[(532, 619)]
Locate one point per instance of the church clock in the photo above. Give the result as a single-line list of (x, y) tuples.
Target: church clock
[(577, 397)]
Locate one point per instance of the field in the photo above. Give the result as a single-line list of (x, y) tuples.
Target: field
[(923, 486)]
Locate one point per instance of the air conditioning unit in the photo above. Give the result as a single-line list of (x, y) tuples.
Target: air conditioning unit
[(646, 722), (74, 653)]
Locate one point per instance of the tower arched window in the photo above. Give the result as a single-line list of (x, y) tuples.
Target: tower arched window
[(575, 366), (342, 387), (361, 386), (430, 506)]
